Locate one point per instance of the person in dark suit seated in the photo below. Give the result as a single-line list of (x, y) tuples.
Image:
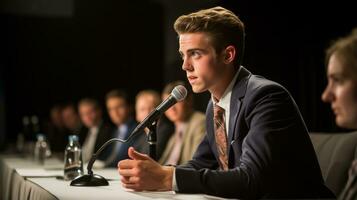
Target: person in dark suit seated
[(71, 119), (256, 144), (341, 93), (57, 134), (145, 102), (119, 110), (189, 128), (65, 122), (95, 131)]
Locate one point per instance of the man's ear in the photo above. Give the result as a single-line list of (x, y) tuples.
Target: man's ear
[(229, 54)]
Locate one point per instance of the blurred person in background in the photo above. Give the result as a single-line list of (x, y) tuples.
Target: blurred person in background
[(95, 131), (341, 93), (145, 102), (56, 130), (119, 110), (71, 119), (189, 128)]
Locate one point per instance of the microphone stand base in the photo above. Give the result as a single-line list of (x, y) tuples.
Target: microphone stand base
[(89, 180)]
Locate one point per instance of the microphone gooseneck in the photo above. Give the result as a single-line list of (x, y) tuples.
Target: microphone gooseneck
[(95, 155)]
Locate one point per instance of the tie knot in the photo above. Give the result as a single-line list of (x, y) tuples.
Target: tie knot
[(180, 130), (180, 134), (218, 111)]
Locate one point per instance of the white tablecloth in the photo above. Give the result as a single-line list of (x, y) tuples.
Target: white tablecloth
[(23, 179)]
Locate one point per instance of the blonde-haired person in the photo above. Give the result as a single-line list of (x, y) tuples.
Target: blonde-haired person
[(341, 93), (145, 102), (256, 143), (189, 128)]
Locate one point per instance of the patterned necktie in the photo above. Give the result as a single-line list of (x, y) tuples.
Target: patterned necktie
[(220, 136)]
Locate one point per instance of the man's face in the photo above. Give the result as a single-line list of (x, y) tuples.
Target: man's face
[(144, 105), (56, 117), (90, 116), (70, 118), (118, 110), (341, 93), (204, 68)]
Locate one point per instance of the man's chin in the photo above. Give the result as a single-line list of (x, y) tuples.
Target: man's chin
[(198, 89)]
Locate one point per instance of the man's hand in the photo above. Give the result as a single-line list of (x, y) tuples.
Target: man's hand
[(143, 173)]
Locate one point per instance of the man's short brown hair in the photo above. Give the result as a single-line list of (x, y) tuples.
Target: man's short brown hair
[(90, 101), (116, 93), (153, 93), (222, 25)]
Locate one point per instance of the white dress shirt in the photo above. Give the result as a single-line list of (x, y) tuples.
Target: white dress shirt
[(225, 101), (176, 150), (89, 143)]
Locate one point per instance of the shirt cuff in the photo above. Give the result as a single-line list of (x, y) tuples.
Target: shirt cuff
[(174, 184)]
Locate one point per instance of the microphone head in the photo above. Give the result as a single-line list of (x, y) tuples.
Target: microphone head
[(179, 93)]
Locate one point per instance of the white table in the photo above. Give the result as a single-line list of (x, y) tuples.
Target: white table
[(15, 186), (62, 189), (18, 183)]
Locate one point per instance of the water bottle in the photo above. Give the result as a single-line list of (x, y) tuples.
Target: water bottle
[(73, 164), (41, 149)]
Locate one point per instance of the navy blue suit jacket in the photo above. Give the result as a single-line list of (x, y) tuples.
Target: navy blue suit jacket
[(122, 152), (104, 134), (270, 152)]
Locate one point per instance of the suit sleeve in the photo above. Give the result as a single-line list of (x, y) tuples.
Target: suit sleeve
[(272, 119)]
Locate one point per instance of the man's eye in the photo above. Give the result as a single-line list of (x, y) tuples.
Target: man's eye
[(195, 54)]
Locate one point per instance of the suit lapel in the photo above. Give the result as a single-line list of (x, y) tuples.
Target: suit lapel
[(238, 93)]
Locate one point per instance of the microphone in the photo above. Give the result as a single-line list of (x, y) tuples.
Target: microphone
[(179, 93)]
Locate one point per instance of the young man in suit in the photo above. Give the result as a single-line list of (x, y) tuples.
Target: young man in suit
[(256, 145)]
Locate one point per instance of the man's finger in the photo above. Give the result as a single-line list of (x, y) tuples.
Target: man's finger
[(125, 164), (129, 179), (136, 155), (125, 179), (126, 172)]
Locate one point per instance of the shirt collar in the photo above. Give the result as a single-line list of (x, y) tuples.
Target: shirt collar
[(181, 128), (123, 128), (225, 100), (94, 130)]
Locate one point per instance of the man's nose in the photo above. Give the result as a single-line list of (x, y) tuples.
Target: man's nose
[(186, 65)]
